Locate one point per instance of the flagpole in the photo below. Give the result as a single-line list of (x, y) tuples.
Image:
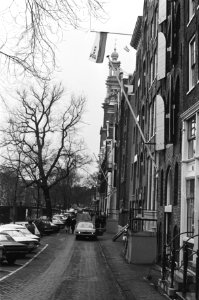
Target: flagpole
[(134, 116), (119, 33)]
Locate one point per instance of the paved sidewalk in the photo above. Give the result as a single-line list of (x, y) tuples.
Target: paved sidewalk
[(131, 278)]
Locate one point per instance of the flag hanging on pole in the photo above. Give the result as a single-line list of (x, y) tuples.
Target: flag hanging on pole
[(98, 50), (126, 48)]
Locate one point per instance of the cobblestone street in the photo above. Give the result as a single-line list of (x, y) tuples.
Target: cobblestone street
[(66, 269)]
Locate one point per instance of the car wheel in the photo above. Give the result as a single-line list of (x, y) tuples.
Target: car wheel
[(11, 260), (77, 237)]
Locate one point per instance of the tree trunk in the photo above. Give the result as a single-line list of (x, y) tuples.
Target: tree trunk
[(48, 202)]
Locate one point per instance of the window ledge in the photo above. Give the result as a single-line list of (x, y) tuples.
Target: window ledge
[(188, 160)]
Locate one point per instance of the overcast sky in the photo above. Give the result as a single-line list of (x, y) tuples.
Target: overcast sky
[(79, 75), (82, 76)]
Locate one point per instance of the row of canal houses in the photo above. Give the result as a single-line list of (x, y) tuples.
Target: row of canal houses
[(149, 145)]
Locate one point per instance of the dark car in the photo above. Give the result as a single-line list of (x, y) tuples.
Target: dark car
[(85, 230), (11, 250), (44, 226), (54, 227)]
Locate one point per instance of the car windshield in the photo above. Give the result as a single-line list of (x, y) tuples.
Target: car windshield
[(14, 233), (84, 225), (5, 238), (25, 231), (58, 217)]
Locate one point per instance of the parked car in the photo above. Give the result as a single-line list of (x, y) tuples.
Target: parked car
[(11, 250), (59, 222), (85, 230), (54, 227), (24, 230), (44, 226), (62, 218), (18, 236), (25, 223)]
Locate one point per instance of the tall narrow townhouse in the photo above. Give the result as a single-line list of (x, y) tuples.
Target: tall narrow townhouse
[(107, 156), (168, 109), (142, 157), (155, 186), (190, 132), (125, 124)]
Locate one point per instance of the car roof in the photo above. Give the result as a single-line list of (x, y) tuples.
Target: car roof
[(85, 223), (12, 226)]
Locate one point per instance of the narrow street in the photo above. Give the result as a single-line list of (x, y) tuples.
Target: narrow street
[(64, 269)]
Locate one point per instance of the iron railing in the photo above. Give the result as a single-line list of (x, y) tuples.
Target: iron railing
[(169, 263)]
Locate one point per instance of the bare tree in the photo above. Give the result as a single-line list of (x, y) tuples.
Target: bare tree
[(45, 135), (29, 29)]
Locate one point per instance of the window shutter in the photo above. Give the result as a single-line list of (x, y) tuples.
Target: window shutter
[(161, 56), (162, 11), (160, 123)]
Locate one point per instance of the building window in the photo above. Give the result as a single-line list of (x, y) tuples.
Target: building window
[(152, 113), (192, 63), (155, 23), (152, 28), (191, 9), (134, 177), (155, 64), (190, 186), (191, 137), (151, 69), (175, 200), (161, 188)]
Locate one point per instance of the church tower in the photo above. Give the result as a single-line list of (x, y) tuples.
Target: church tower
[(108, 137)]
